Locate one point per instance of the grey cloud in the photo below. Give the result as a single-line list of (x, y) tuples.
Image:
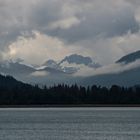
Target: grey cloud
[(95, 20), (21, 16), (104, 24), (12, 19), (45, 12), (133, 2), (18, 16), (109, 69)]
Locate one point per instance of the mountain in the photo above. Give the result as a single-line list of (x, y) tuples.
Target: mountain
[(129, 74), (8, 82), (51, 64), (74, 63), (126, 78), (70, 64), (130, 58), (49, 73), (15, 68), (14, 93), (52, 72), (72, 68), (79, 60)]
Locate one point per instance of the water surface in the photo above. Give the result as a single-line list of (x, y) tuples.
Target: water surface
[(70, 124)]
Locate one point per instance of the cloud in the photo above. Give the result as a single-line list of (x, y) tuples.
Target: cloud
[(39, 74), (34, 49), (98, 19), (109, 50), (65, 23), (109, 69), (37, 49), (133, 2), (105, 31)]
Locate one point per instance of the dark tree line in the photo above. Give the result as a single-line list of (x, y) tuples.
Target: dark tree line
[(13, 92)]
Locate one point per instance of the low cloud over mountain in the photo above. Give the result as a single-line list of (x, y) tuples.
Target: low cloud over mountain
[(77, 69)]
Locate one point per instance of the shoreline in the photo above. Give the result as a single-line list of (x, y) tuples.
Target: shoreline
[(69, 106)]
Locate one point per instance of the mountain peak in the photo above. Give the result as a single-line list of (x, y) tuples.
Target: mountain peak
[(77, 59), (51, 64), (71, 64), (130, 58)]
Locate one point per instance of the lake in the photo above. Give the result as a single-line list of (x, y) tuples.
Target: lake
[(70, 124)]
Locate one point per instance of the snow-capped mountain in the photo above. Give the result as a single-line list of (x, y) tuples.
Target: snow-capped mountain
[(75, 62), (72, 68), (71, 64), (51, 64), (77, 59), (50, 72)]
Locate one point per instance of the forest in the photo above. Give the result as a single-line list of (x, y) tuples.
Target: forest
[(13, 92)]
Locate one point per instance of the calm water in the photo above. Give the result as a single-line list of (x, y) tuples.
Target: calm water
[(70, 124)]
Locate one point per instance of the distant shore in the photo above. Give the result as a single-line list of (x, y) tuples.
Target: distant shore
[(69, 106)]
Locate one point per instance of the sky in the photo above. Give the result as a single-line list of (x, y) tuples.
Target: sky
[(38, 30)]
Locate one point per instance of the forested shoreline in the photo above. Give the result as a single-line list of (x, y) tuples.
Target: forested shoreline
[(13, 92)]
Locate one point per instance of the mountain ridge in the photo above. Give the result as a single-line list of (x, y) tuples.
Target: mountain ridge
[(70, 73), (131, 57)]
